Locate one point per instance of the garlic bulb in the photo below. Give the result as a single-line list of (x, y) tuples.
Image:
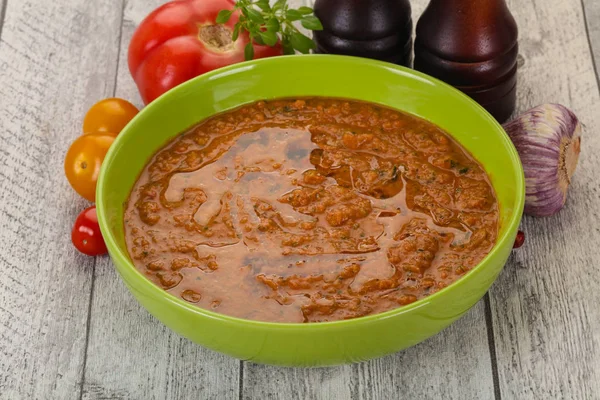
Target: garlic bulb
[(548, 139)]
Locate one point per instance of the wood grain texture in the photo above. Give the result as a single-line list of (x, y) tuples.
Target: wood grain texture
[(453, 364), (131, 355), (59, 57), (266, 382), (592, 14), (52, 66), (545, 304)]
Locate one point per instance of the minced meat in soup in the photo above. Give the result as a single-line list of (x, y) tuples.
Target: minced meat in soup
[(310, 210)]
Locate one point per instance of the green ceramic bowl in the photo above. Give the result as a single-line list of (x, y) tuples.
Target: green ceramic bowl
[(327, 343)]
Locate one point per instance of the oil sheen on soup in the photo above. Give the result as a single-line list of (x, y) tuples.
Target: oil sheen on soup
[(310, 210)]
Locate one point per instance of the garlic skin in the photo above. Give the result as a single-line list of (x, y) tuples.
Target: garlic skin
[(548, 139)]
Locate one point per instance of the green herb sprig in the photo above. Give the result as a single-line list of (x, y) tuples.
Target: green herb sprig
[(267, 24)]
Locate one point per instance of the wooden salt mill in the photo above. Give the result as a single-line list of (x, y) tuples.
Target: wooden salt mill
[(379, 29), (472, 45)]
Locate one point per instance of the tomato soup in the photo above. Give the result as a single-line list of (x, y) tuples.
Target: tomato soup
[(310, 210)]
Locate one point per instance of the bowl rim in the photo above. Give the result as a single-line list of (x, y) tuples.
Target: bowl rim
[(124, 265)]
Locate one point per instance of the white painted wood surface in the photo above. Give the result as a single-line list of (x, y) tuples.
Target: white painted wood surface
[(56, 58), (592, 17), (69, 328), (545, 305), (462, 370)]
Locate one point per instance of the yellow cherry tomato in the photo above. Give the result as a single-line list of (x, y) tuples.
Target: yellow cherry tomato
[(109, 115), (83, 161)]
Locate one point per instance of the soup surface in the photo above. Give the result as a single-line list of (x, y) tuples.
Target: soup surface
[(310, 210)]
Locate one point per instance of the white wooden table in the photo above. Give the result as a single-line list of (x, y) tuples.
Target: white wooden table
[(69, 329)]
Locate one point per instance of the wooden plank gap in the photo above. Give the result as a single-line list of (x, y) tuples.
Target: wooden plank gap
[(241, 382), (3, 7), (120, 41), (492, 347), (586, 23), (87, 330), (355, 389), (169, 370)]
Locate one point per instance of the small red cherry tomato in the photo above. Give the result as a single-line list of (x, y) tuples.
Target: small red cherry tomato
[(86, 235), (519, 240)]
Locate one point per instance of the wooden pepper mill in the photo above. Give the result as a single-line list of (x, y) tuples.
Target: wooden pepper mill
[(379, 29), (472, 45)]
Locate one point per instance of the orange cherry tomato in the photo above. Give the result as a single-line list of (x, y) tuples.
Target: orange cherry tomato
[(109, 115), (83, 161)]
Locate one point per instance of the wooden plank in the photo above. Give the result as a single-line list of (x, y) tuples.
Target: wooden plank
[(52, 67), (592, 16), (266, 382), (454, 364), (545, 304), (131, 355)]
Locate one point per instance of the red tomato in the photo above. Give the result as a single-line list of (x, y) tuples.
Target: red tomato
[(519, 240), (86, 235), (181, 40), (109, 115)]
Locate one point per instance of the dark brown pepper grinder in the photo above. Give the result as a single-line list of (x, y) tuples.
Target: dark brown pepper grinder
[(472, 45), (379, 29)]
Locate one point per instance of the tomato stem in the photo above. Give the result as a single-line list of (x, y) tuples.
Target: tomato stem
[(217, 37)]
